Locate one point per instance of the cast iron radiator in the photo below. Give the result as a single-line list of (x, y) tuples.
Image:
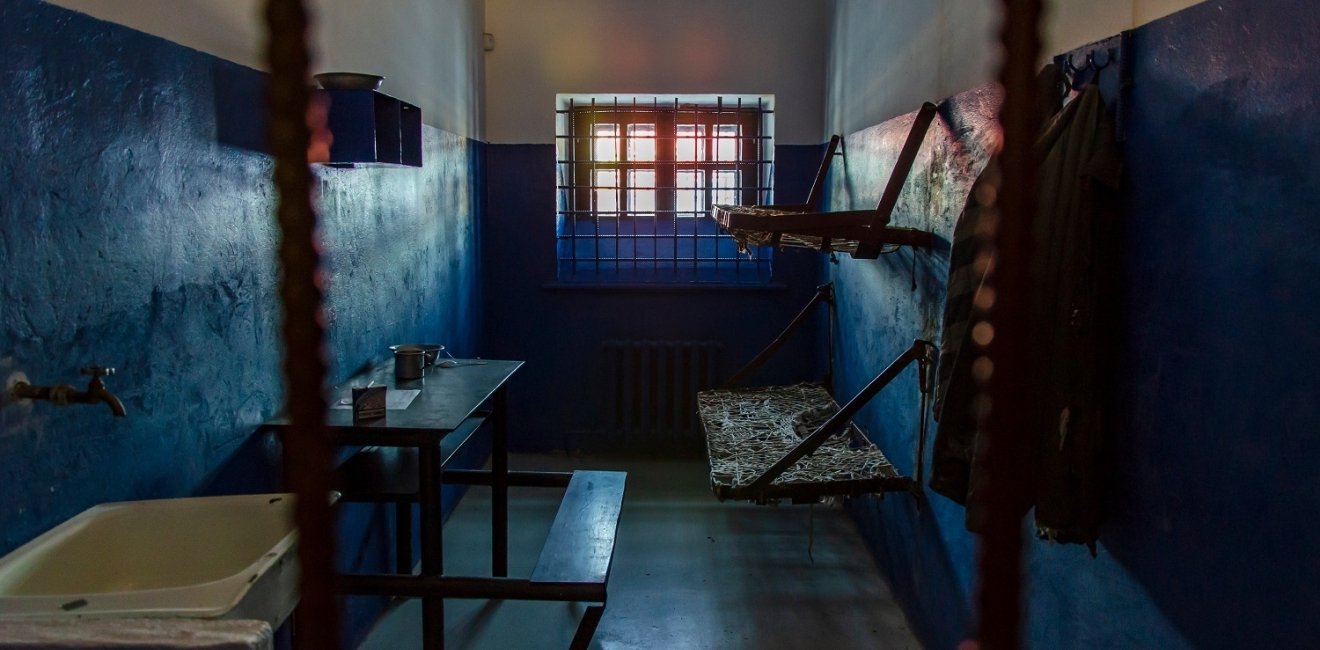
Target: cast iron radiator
[(649, 388)]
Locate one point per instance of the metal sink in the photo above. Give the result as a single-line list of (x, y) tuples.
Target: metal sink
[(208, 557)]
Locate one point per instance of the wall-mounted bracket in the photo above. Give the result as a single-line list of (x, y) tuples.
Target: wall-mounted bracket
[(1106, 64)]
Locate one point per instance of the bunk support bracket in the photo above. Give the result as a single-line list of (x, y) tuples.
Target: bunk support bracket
[(926, 384), (818, 185), (918, 351), (824, 293), (903, 166)]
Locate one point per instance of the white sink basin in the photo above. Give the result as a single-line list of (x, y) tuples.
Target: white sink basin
[(208, 557)]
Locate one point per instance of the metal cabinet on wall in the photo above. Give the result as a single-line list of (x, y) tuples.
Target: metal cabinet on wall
[(372, 127)]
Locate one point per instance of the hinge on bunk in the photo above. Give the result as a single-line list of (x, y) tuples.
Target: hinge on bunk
[(925, 384)]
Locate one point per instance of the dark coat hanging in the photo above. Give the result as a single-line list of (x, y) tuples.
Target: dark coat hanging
[(1073, 232)]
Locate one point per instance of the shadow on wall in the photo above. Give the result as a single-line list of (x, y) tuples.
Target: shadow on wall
[(240, 99), (1215, 512), (919, 562)]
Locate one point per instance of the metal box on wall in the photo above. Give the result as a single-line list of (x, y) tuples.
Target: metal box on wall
[(372, 127)]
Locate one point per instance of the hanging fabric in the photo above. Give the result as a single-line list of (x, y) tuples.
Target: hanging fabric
[(1079, 177), (1074, 228)]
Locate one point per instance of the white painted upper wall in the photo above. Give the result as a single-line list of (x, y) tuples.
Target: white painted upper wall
[(886, 57), (428, 50), (545, 47)]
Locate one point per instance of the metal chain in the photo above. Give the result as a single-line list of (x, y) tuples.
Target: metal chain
[(307, 456), (1005, 370)]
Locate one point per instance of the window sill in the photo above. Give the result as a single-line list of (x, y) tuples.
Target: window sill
[(660, 287)]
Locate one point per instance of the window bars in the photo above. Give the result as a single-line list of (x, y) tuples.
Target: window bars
[(637, 179)]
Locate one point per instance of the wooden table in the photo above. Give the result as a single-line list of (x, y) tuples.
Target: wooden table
[(574, 564), (448, 397)]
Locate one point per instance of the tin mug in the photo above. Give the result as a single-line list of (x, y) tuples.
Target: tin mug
[(409, 363)]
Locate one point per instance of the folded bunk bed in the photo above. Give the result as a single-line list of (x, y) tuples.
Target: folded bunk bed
[(795, 442), (766, 444), (863, 234)]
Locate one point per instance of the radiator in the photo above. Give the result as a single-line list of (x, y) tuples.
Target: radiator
[(650, 388)]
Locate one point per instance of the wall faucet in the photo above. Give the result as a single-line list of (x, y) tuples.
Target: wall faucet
[(64, 394)]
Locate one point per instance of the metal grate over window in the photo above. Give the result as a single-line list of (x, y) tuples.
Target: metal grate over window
[(637, 179)]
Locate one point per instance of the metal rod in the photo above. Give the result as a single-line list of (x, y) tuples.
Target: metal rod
[(1005, 401), (403, 537), (824, 292), (701, 108), (924, 376), (570, 175), (625, 180), (307, 453), (595, 202), (903, 166), (840, 419), (515, 478), (829, 345), (500, 485), (464, 587), (818, 186), (428, 481), (740, 148), (587, 627)]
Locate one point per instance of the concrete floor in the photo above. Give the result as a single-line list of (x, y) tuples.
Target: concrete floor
[(689, 572)]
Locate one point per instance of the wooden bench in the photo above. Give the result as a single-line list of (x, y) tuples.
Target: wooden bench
[(579, 550), (575, 560)]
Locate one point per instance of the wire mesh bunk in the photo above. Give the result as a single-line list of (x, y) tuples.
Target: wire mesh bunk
[(863, 234), (795, 442)]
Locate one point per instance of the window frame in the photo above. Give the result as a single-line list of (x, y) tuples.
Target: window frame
[(578, 191)]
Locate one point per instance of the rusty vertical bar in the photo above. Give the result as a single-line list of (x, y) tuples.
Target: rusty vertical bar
[(1006, 370), (306, 449)]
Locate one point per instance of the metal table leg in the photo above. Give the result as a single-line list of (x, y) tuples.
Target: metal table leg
[(428, 483), (499, 552), (403, 537)]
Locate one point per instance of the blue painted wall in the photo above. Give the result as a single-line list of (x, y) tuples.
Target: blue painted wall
[(1215, 515), (883, 305), (131, 236), (554, 400)]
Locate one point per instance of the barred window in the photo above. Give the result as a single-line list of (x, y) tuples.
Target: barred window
[(637, 179)]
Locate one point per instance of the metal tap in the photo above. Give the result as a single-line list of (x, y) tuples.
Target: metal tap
[(64, 394)]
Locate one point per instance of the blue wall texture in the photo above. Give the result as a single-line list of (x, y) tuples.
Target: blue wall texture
[(883, 305), (131, 236), (1215, 517), (558, 329)]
